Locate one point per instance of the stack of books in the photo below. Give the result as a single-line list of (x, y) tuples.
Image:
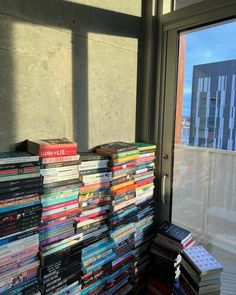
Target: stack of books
[(20, 214), (144, 178), (123, 213), (96, 259), (91, 222), (94, 198), (60, 266), (200, 272), (60, 202), (165, 252)]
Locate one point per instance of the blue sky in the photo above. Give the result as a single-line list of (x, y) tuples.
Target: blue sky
[(212, 44)]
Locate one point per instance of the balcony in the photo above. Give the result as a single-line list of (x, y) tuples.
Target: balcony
[(204, 201)]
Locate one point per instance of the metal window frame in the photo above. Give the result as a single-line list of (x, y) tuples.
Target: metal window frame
[(170, 25)]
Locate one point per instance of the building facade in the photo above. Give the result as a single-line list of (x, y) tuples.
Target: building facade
[(213, 104)]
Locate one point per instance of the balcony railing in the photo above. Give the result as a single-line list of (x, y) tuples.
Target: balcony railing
[(204, 194)]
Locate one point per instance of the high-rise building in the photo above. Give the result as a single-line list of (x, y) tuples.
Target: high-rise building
[(213, 106)]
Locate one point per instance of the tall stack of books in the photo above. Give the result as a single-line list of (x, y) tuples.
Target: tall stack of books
[(144, 180), (165, 252), (94, 202), (200, 272), (123, 213), (20, 214), (60, 248)]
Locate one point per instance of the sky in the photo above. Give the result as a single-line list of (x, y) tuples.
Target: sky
[(212, 44)]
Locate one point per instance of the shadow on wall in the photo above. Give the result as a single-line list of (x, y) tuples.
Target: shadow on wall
[(7, 128), (80, 20)]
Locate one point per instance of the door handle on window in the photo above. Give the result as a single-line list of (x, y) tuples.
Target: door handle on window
[(164, 188)]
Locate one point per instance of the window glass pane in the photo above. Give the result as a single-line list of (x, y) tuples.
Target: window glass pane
[(204, 186), (183, 3)]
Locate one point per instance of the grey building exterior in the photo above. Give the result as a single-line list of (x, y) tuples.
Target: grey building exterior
[(213, 105)]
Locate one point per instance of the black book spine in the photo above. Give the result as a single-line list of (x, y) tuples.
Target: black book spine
[(20, 182), (22, 194), (31, 222), (25, 210), (62, 256), (19, 165), (22, 188)]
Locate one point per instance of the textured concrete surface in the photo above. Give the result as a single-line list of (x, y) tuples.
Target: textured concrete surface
[(64, 74)]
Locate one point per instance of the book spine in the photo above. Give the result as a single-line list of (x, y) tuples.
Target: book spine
[(21, 182), (92, 166), (30, 270), (87, 188), (60, 164), (57, 206), (58, 179), (19, 177), (25, 252), (19, 206), (27, 199), (74, 211), (21, 194), (125, 159), (14, 160), (48, 151), (93, 171), (57, 237), (23, 210), (18, 171), (63, 159), (145, 159), (57, 170), (60, 210), (19, 165), (59, 200)]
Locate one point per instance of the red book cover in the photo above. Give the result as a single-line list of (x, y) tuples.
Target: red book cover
[(145, 181), (55, 216), (124, 166), (91, 216), (47, 148), (57, 206), (145, 159)]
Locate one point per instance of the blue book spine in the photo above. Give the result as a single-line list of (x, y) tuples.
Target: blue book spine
[(100, 262), (18, 236), (19, 206)]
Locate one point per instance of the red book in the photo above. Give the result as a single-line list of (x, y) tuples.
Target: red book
[(47, 148), (56, 206), (124, 166), (59, 215)]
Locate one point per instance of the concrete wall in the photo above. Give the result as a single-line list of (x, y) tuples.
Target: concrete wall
[(68, 69)]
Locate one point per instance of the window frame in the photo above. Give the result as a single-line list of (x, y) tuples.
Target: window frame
[(169, 25)]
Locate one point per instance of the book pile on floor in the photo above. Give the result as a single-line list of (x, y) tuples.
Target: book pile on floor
[(94, 202), (60, 248), (20, 214), (75, 226), (123, 213), (200, 272), (165, 253), (144, 178)]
